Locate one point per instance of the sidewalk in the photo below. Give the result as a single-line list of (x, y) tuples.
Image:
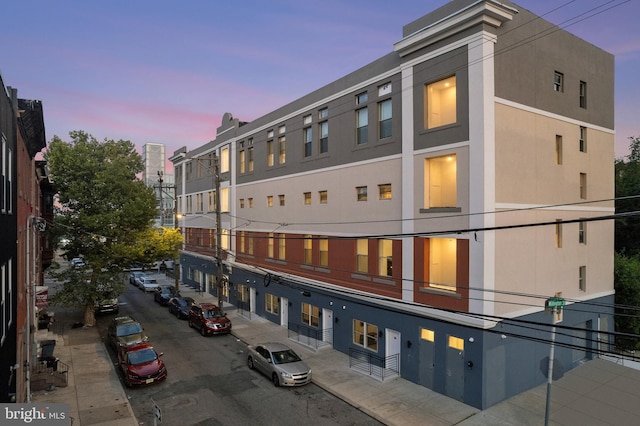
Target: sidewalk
[(597, 393)]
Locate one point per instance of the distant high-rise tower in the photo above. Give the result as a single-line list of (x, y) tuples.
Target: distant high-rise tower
[(153, 159), (154, 175)]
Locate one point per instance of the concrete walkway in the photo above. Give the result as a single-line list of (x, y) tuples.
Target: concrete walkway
[(597, 393)]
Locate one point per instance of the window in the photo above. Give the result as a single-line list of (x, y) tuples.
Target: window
[(558, 149), (385, 257), (583, 139), (242, 203), (323, 113), (385, 89), (582, 232), (308, 141), (243, 241), (323, 197), (270, 246), (583, 94), (224, 199), (310, 315), (428, 335), (558, 233), (270, 154), (362, 126), (384, 114), (282, 149), (242, 161), (455, 343), (365, 335), (269, 200), (306, 119), (362, 256), (385, 191), (199, 205), (281, 199), (442, 263), (308, 249), (362, 98), (361, 193), (250, 244), (282, 129), (225, 239), (250, 158), (324, 251), (224, 160), (307, 198), (324, 136), (243, 293), (441, 181), (212, 201), (272, 303), (270, 134), (582, 278), (250, 201), (282, 247), (558, 82), (583, 186), (441, 103)]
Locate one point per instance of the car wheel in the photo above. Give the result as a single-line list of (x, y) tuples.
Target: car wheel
[(178, 314), (250, 363), (190, 323), (202, 331), (275, 380)]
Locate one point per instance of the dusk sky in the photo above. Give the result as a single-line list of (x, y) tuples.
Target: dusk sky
[(166, 71)]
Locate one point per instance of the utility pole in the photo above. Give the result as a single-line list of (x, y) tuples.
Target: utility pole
[(176, 225), (161, 205), (555, 305), (216, 177)]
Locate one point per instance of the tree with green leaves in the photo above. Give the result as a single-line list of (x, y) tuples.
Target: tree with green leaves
[(627, 283), (106, 215), (627, 181)]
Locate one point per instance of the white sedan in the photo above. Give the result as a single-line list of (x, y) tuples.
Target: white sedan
[(148, 284)]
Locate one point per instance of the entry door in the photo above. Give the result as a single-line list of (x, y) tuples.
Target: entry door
[(427, 362), (327, 326), (284, 312), (252, 299), (392, 350), (454, 380)]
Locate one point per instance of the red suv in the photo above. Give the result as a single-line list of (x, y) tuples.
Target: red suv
[(141, 364), (209, 319)]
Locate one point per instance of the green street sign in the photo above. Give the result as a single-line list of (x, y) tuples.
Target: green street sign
[(555, 302)]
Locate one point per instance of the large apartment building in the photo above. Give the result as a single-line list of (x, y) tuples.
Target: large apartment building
[(418, 213)]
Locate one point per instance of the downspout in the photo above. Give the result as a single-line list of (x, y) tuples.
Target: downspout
[(30, 218)]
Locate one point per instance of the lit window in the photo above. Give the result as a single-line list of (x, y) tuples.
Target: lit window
[(558, 82), (250, 155), (281, 199), (308, 141), (242, 161), (282, 149), (250, 245), (365, 335), (308, 249), (324, 136), (385, 191), (582, 278), (583, 186), (441, 103), (558, 149), (310, 315), (362, 126), (455, 343), (361, 193), (442, 263), (270, 245), (224, 160), (282, 247), (583, 94), (271, 303), (225, 239), (269, 200), (362, 255), (323, 244), (428, 335), (441, 181), (583, 139), (307, 198), (385, 257), (385, 116), (224, 199), (323, 197), (270, 156), (243, 241)]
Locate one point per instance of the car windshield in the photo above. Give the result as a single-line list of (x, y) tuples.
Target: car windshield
[(182, 303), (129, 329), (212, 313), (285, 357), (150, 281), (166, 290), (142, 356)]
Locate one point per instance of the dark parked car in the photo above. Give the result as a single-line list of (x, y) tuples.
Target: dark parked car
[(163, 293), (125, 331), (280, 363), (141, 364), (209, 319), (179, 306)]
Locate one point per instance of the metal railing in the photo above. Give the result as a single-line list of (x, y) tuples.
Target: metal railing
[(53, 372), (309, 336), (374, 365)]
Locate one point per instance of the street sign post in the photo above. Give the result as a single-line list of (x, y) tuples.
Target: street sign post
[(555, 302)]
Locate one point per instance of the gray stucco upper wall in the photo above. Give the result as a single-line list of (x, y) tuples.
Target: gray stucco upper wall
[(435, 16)]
